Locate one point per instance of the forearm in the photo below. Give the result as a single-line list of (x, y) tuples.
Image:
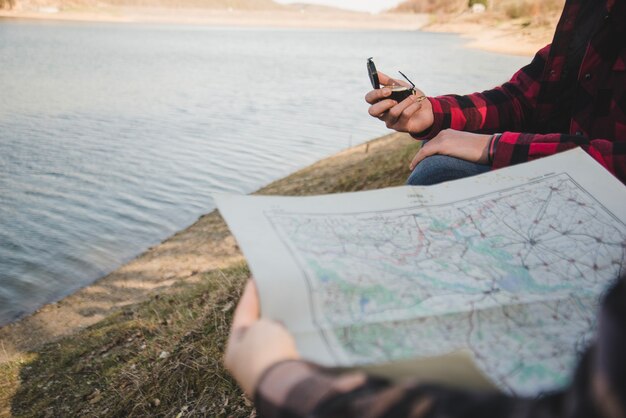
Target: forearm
[(300, 389), (506, 107)]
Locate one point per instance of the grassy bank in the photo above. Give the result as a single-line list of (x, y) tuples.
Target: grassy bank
[(162, 357)]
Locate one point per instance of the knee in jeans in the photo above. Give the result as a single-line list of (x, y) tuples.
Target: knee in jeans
[(431, 170)]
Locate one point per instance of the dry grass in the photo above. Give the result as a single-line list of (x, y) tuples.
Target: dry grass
[(162, 357), (374, 165), (535, 10), (201, 4), (7, 4), (98, 5), (431, 6)]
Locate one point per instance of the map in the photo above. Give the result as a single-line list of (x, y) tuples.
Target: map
[(508, 268), (419, 280)]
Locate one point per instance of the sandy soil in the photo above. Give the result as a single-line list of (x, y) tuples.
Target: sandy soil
[(503, 40), (493, 32)]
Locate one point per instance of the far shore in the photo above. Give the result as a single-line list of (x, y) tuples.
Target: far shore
[(239, 18), (485, 31), (172, 262)]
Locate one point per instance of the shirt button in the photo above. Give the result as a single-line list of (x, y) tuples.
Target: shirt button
[(607, 16), (588, 76)]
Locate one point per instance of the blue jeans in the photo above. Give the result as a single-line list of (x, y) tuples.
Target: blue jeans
[(439, 168)]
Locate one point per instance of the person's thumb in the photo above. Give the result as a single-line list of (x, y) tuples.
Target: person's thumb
[(248, 309)]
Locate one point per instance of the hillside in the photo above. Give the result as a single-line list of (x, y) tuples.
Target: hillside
[(199, 4), (204, 4), (510, 8), (519, 27)]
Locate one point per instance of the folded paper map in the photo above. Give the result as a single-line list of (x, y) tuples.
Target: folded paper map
[(493, 280)]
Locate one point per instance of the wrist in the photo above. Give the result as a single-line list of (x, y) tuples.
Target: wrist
[(266, 363), (431, 120), (492, 145), (265, 344)]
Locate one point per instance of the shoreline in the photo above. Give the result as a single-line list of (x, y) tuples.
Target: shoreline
[(206, 245), (287, 19), (181, 260), (491, 32), (487, 31)]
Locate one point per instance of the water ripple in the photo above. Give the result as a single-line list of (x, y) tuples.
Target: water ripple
[(112, 137)]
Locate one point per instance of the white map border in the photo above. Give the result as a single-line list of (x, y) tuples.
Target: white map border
[(283, 288), (326, 333)]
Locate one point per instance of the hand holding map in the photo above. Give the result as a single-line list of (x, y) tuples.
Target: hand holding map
[(505, 270)]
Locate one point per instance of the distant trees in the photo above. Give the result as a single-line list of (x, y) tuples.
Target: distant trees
[(7, 4), (200, 4), (431, 6), (483, 2), (528, 8), (511, 8)]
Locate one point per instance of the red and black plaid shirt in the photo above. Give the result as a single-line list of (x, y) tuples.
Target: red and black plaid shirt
[(531, 109)]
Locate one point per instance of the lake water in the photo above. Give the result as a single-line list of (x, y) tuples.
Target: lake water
[(113, 136)]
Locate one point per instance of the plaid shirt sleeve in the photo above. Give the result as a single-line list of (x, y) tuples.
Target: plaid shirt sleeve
[(301, 389), (507, 107), (598, 388), (515, 148)]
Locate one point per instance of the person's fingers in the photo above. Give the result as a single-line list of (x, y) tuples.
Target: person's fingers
[(415, 161), (379, 108), (397, 111), (248, 309), (377, 95), (428, 149), (384, 79), (411, 109)]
